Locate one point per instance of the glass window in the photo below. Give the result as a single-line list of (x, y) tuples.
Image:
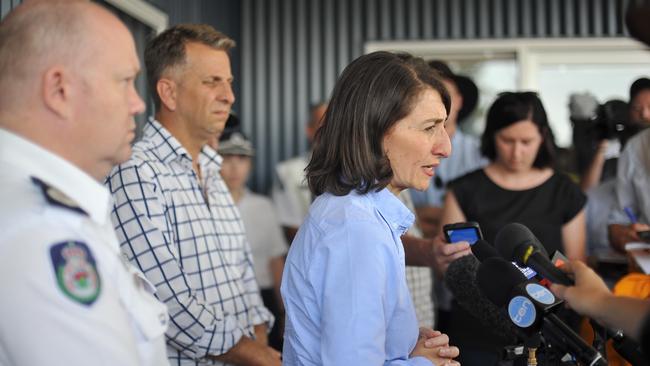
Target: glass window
[(555, 68)]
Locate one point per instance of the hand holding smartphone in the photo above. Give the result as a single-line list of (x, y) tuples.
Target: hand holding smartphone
[(462, 231), (471, 232)]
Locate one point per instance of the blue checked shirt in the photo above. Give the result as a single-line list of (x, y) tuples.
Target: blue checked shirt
[(188, 239)]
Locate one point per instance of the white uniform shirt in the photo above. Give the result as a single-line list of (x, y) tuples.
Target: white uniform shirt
[(633, 181), (291, 194), (264, 234), (68, 297)]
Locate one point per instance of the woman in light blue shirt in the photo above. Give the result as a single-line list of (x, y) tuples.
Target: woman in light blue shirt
[(344, 288)]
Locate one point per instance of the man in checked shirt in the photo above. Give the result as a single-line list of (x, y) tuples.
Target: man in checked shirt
[(174, 216)]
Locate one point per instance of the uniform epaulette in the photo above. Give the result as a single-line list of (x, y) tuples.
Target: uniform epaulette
[(57, 198)]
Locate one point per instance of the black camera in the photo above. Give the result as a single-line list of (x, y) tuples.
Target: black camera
[(610, 121), (603, 130), (596, 122)]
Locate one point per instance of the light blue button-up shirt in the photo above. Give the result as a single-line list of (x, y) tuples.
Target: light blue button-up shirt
[(344, 287)]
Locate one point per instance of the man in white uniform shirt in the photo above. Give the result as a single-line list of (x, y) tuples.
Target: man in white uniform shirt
[(66, 117)]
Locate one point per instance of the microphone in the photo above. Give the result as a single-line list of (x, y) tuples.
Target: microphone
[(482, 250), (460, 279), (515, 242), (501, 283), (512, 234), (530, 307)]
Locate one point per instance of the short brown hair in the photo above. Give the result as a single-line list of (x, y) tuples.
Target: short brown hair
[(167, 50), (373, 93)]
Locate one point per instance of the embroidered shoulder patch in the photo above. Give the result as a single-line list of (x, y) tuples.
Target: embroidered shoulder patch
[(76, 271)]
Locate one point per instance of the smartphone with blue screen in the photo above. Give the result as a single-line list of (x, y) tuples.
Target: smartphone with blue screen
[(463, 231)]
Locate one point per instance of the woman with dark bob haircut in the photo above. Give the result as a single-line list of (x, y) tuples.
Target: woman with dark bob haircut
[(344, 285), (518, 185), (514, 107)]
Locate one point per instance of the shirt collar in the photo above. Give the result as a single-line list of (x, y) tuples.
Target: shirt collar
[(170, 149), (165, 144), (396, 214), (89, 194), (209, 158)]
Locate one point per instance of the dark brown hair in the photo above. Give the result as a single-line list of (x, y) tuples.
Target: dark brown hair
[(167, 50), (510, 108), (638, 86), (373, 93)]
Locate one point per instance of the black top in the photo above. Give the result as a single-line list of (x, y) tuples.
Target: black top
[(543, 209)]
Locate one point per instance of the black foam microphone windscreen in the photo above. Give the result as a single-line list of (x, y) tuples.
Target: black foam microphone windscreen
[(531, 307), (460, 278), (515, 242), (482, 250), (496, 277), (513, 235)]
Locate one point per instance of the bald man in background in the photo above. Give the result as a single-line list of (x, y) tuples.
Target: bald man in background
[(67, 71)]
